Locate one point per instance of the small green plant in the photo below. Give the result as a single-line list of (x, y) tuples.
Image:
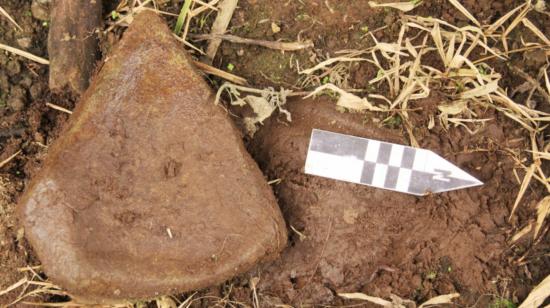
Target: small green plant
[(502, 303), (203, 20), (45, 23), (181, 17), (431, 275), (325, 80), (115, 15), (302, 17), (365, 29), (481, 70), (230, 67), (393, 122), (459, 86)]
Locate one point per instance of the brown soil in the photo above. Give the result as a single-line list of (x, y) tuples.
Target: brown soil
[(358, 238), (473, 225)]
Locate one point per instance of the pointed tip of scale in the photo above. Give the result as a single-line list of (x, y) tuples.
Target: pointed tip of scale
[(449, 177)]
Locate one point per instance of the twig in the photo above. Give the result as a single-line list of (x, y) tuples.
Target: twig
[(286, 46), (24, 54), (7, 160), (186, 43), (222, 74), (227, 7)]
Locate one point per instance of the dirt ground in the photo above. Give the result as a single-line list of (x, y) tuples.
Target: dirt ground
[(453, 242)]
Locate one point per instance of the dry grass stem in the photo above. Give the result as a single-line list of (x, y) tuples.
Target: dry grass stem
[(285, 46), (208, 69), (536, 31), (8, 16), (523, 232), (524, 184), (7, 160), (399, 302), (538, 295), (464, 11), (24, 54), (402, 6), (59, 108), (543, 210)]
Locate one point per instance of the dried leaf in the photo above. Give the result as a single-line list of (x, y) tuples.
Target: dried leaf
[(540, 6), (464, 11), (436, 35), (543, 209), (537, 295), (523, 188), (262, 109), (514, 24), (262, 101), (275, 28), (346, 99), (364, 297), (503, 19), (522, 233), (441, 299), (402, 6), (391, 48), (454, 108), (481, 90), (535, 30), (166, 302)]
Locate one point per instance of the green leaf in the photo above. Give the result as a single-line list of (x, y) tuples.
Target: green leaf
[(181, 17)]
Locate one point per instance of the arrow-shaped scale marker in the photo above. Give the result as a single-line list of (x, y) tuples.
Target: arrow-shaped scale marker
[(383, 165)]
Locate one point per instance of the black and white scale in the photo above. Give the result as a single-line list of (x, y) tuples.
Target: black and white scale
[(383, 165)]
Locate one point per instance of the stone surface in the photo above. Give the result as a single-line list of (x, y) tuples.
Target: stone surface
[(149, 190)]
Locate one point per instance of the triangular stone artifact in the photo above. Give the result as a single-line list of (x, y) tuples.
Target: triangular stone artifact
[(149, 190)]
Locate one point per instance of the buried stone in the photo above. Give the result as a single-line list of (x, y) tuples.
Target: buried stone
[(149, 190)]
